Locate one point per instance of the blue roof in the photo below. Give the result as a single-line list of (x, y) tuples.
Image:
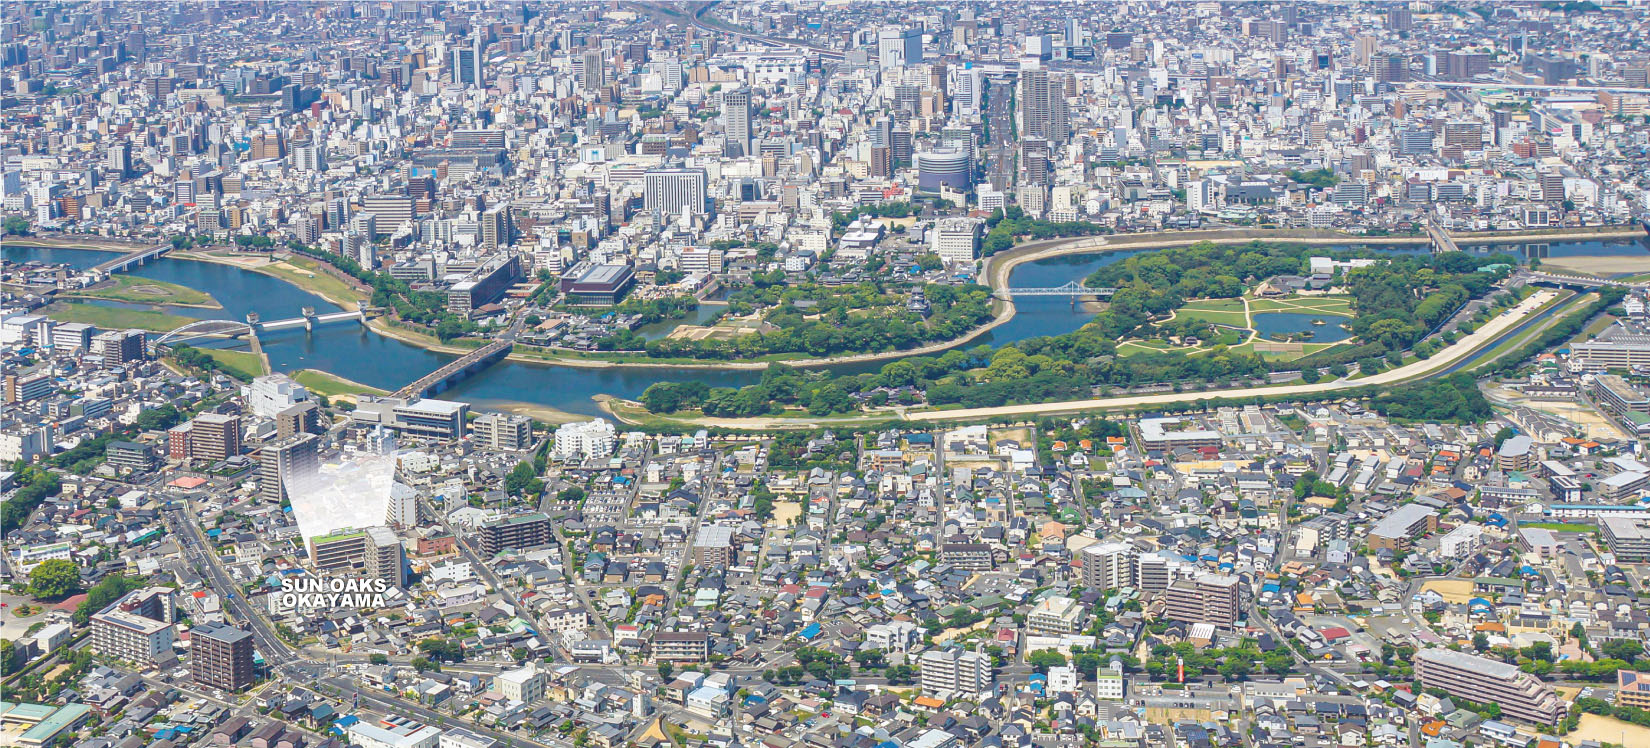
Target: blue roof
[(812, 630)]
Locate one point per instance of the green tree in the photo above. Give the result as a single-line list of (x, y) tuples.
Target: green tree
[(54, 579), (17, 226)]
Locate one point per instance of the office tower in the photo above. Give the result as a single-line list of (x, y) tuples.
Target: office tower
[(116, 347), (221, 657), (954, 672), (736, 121), (938, 81), (668, 193), (897, 47), (1390, 67), (215, 436), (390, 212), (968, 91), (467, 63), (120, 159), (309, 156), (1108, 566), (1398, 18), (287, 464), (1211, 598), (1464, 134), (1485, 681), (592, 70), (1364, 48), (1415, 141)]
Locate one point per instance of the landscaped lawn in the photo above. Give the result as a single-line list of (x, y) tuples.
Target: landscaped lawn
[(115, 318), (1338, 305), (1227, 312)]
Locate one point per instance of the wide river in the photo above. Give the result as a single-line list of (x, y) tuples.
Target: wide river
[(357, 353)]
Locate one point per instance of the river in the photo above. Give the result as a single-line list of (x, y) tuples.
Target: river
[(357, 353)]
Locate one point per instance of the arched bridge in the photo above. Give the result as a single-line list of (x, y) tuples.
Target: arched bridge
[(228, 328), (206, 328)]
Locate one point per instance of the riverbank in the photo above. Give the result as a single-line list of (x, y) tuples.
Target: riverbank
[(1487, 335), (134, 290), (301, 272), (995, 272), (115, 318)]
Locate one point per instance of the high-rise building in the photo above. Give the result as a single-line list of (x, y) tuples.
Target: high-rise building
[(1414, 141), (954, 672), (517, 532), (1399, 18), (137, 628), (309, 156), (670, 192), (287, 463), (467, 63), (221, 657), (1211, 598), (1036, 108), (116, 347), (1482, 680), (592, 70), (957, 240), (120, 159), (503, 431), (736, 121), (300, 418), (898, 47), (498, 229), (1390, 67), (1108, 566), (375, 551), (215, 436)]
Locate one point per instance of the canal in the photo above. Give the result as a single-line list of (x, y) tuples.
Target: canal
[(357, 353)]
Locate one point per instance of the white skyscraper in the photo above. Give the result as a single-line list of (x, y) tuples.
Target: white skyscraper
[(736, 120), (671, 191)]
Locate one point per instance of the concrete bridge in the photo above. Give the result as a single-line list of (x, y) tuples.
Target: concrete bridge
[(1580, 281), (228, 328), (1441, 241), (127, 261), (458, 369)]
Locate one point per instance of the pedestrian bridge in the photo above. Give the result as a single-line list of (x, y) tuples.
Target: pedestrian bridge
[(229, 328), (1072, 289)]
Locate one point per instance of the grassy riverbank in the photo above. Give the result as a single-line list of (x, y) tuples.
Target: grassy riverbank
[(332, 385), (302, 272), (135, 290), (242, 365), (115, 318)]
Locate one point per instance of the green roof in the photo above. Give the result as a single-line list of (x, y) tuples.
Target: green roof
[(49, 728)]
